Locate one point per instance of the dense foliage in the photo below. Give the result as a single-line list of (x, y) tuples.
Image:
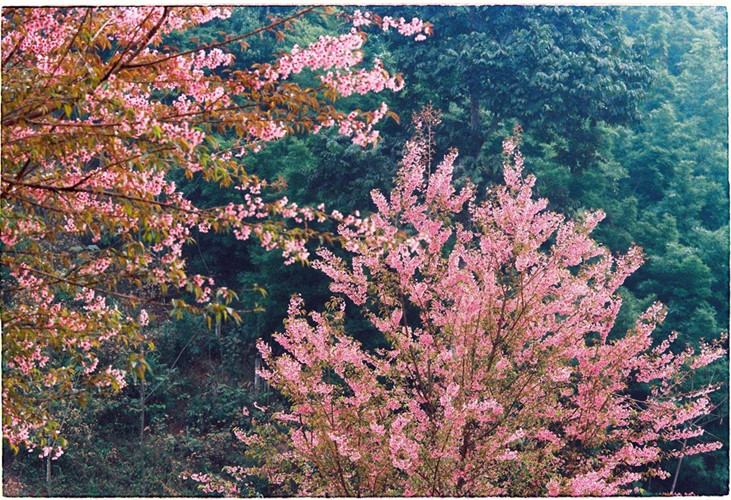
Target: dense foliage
[(623, 110), (562, 70)]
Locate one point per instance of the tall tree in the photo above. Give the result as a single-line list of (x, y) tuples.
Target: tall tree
[(500, 376), (96, 114)]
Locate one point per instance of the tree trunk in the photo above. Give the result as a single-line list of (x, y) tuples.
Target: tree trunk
[(218, 337), (677, 468), (143, 403), (257, 378), (142, 411), (48, 475), (477, 137)]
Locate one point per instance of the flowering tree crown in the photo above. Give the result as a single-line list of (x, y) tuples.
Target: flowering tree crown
[(97, 114), (501, 374)]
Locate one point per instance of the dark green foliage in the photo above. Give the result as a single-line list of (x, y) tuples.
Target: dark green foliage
[(663, 184), (191, 410), (556, 70)]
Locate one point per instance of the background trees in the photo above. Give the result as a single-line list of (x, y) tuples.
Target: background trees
[(561, 69)]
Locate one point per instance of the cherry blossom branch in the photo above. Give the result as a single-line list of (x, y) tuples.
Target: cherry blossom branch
[(66, 52), (139, 46), (224, 42)]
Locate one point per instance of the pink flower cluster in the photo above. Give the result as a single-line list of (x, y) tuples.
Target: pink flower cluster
[(363, 81), (328, 52), (414, 27), (342, 54)]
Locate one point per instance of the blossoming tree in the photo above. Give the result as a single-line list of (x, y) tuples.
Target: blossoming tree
[(96, 114), (501, 375)]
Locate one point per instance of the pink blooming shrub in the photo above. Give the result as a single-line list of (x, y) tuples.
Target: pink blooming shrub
[(500, 376)]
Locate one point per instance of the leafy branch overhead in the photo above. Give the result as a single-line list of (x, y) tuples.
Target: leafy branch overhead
[(97, 115)]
